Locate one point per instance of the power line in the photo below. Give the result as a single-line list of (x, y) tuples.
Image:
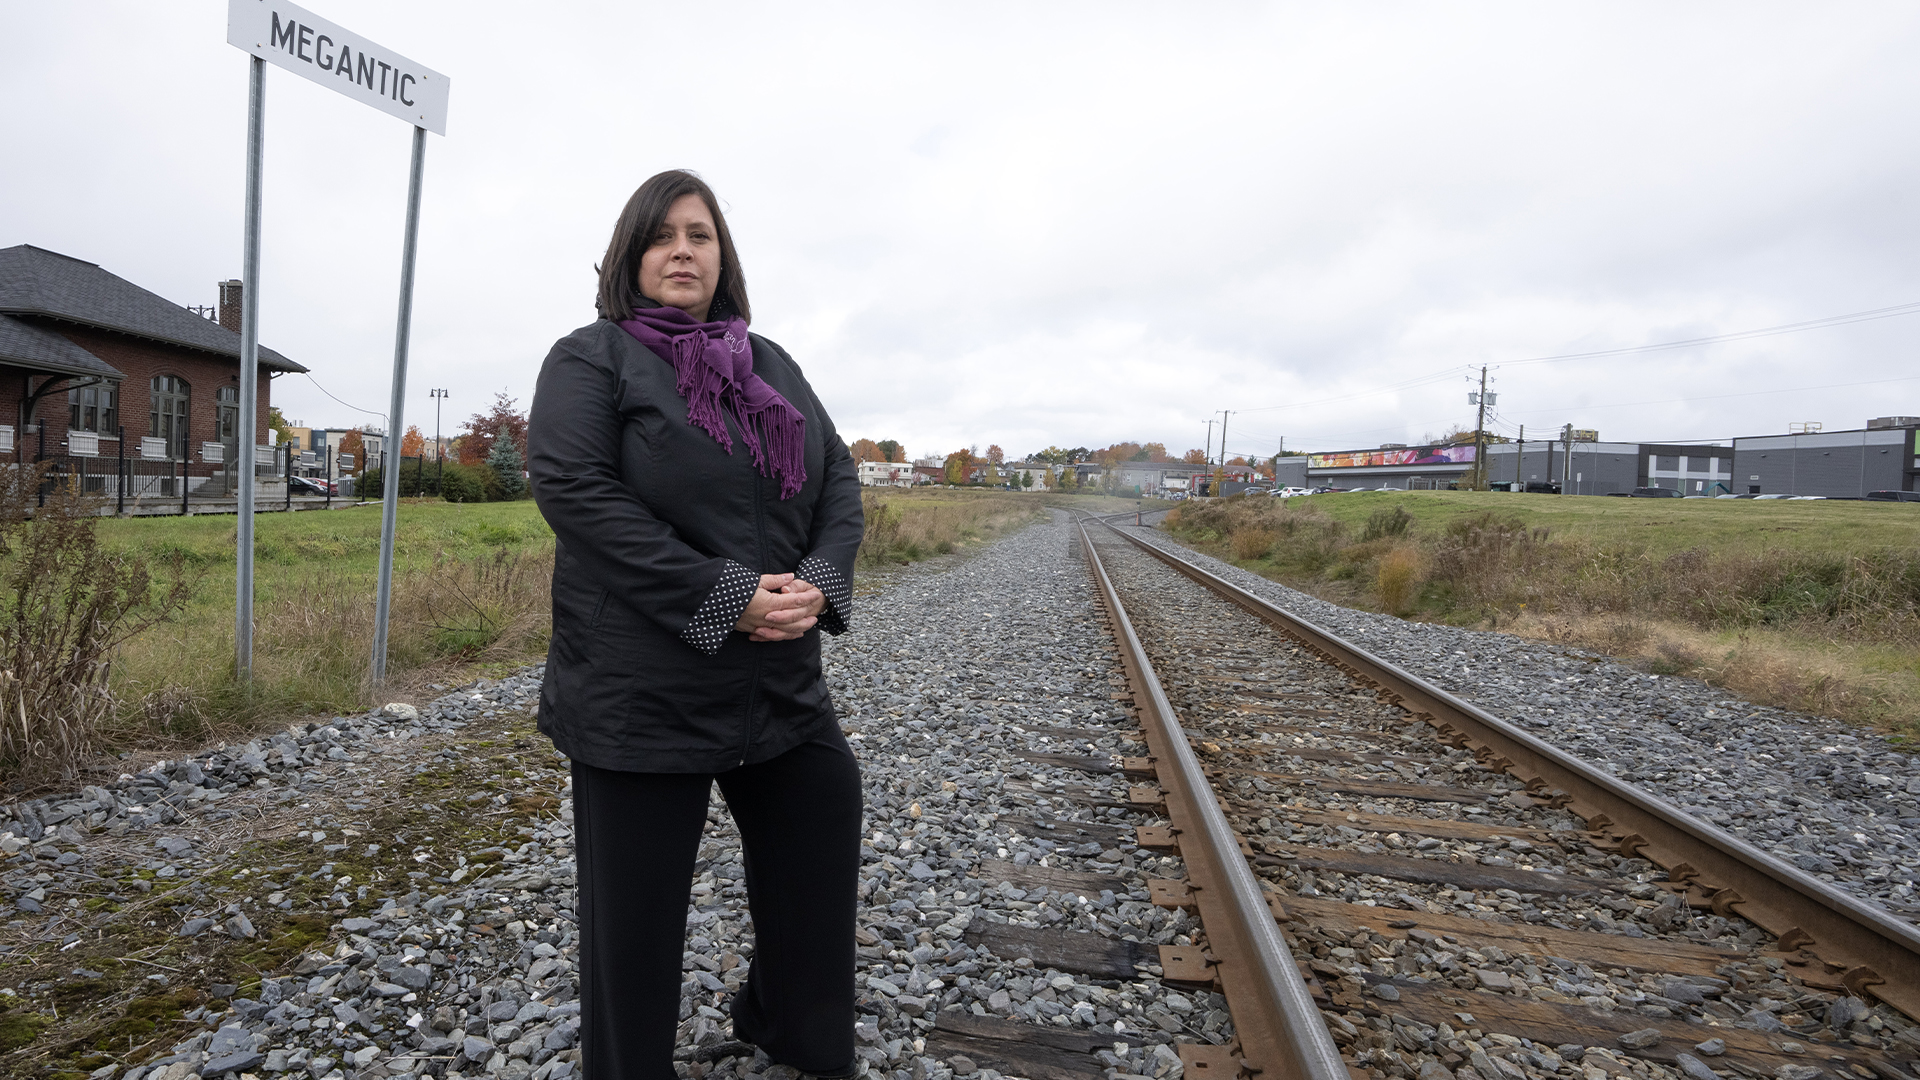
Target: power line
[(1716, 397), (1738, 335), (329, 393), (1714, 339)]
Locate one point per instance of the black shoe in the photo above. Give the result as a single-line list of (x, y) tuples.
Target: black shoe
[(744, 1033)]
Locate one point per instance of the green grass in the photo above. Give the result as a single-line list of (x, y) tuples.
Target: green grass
[(470, 588), (1661, 527), (1808, 605)]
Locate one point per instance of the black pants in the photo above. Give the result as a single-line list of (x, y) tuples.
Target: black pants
[(636, 836)]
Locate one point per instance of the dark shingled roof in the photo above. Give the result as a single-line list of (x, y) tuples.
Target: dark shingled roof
[(35, 281), (29, 346)]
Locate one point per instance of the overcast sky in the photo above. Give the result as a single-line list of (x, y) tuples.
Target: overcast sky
[(1061, 224)]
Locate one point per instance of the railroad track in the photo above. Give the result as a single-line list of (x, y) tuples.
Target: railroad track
[(1393, 883)]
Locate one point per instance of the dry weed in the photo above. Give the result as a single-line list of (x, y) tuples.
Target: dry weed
[(1253, 543), (1402, 571)]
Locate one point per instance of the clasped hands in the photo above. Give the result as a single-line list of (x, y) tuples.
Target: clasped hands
[(783, 608)]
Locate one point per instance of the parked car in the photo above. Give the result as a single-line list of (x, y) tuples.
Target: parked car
[(1774, 496), (307, 485), (1732, 496), (1543, 487), (1657, 493), (1893, 496), (1290, 491)]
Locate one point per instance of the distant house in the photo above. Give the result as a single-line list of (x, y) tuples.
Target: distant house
[(88, 357), (1040, 473), (886, 474)]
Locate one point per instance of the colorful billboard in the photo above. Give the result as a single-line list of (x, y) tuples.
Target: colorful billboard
[(1412, 455)]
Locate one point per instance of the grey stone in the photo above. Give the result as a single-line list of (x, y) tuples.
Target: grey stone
[(239, 1061), (1694, 1067), (1712, 1047), (1641, 1039)]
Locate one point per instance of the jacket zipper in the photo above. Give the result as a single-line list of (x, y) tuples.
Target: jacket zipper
[(760, 541)]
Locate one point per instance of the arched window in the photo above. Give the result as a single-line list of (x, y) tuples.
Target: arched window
[(169, 413), (94, 408)]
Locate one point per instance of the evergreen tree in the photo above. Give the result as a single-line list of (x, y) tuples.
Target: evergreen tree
[(509, 466)]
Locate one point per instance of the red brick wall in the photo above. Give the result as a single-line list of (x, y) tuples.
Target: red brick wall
[(140, 361)]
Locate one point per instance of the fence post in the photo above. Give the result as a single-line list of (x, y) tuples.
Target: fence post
[(328, 454), (40, 455), (287, 449), (184, 462), (120, 436)]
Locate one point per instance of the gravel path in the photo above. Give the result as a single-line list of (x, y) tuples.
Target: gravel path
[(402, 881), (1840, 803)]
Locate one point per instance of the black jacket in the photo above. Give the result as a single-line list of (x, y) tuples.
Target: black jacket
[(661, 539)]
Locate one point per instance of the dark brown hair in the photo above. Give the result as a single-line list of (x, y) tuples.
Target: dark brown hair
[(639, 223)]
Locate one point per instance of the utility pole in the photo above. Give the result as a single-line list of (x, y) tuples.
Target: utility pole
[(1224, 413), (1480, 434), (1566, 463), (1209, 440), (439, 453), (1520, 459)]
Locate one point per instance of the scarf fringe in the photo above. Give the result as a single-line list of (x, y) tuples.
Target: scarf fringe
[(774, 431)]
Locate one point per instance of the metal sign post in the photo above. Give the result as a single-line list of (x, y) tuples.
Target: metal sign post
[(294, 38)]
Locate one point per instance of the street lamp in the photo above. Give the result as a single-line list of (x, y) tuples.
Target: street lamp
[(439, 455)]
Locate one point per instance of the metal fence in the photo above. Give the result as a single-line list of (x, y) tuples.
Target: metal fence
[(147, 476)]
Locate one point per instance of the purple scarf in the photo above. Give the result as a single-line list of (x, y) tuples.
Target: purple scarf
[(714, 364)]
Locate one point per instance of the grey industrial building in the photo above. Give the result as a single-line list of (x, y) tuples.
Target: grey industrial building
[(1884, 455)]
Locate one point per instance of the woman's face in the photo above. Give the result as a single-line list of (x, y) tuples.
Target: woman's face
[(681, 267)]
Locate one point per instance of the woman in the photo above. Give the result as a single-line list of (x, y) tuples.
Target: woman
[(707, 516)]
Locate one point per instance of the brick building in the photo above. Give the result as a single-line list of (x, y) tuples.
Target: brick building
[(89, 353)]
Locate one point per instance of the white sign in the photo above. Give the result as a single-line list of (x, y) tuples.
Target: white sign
[(213, 453), (294, 38), (265, 455), (153, 448), (83, 444), (6, 438)]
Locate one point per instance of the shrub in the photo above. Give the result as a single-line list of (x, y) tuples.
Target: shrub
[(1253, 543), (1401, 570), (65, 607), (1384, 524), (466, 483)]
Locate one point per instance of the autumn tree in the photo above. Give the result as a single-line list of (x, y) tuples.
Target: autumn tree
[(413, 444), (1155, 452), (1194, 457), (1237, 460), (277, 421), (352, 445), (995, 454), (1069, 479), (866, 450), (484, 428), (959, 465), (891, 450)]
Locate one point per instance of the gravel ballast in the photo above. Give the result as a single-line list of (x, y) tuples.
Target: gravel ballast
[(1837, 802), (414, 868)]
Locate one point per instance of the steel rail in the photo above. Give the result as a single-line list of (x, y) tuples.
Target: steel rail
[(1280, 1030), (1863, 949)]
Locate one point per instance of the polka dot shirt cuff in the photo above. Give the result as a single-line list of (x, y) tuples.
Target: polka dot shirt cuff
[(838, 590), (722, 609)]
